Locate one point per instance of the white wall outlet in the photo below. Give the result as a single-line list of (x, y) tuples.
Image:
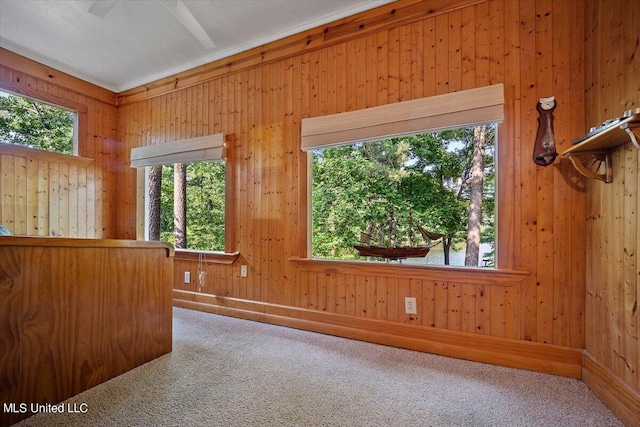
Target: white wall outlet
[(410, 306), (243, 271), (187, 277)]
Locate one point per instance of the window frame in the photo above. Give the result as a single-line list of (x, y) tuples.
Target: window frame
[(407, 122), (79, 128), (230, 254)]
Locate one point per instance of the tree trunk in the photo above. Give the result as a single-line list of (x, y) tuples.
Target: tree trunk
[(393, 225), (446, 248), (475, 197), (180, 205), (155, 189)]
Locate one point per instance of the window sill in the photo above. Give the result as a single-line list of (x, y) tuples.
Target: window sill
[(51, 156), (209, 257), (476, 275)]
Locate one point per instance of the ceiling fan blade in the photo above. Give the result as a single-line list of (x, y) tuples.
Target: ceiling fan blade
[(100, 8), (186, 18)]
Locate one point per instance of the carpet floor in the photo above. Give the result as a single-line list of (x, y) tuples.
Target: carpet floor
[(230, 372)]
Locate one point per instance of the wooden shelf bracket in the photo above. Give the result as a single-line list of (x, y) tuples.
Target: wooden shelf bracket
[(634, 134), (588, 164)]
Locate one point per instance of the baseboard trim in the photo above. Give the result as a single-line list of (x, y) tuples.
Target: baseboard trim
[(612, 390), (552, 359)]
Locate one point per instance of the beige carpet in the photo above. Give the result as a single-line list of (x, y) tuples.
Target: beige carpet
[(230, 372)]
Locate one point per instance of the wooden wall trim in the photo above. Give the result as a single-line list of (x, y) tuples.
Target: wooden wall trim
[(527, 355), (612, 390), (29, 67), (485, 276), (30, 92), (394, 14)]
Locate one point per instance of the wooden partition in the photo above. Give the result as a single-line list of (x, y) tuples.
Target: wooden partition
[(402, 51), (612, 355), (77, 312)]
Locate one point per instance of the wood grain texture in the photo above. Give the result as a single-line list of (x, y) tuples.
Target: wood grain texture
[(260, 104), (77, 312), (582, 283), (45, 194), (613, 223)]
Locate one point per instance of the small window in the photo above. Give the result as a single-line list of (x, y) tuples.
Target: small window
[(184, 192), (35, 124), (205, 206)]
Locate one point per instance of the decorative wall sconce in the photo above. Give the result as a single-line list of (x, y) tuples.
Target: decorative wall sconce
[(544, 151)]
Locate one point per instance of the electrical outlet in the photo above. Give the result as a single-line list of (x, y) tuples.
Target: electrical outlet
[(187, 277), (410, 306), (243, 271)]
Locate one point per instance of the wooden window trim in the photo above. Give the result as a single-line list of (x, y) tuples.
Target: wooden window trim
[(476, 275), (210, 257), (51, 156)]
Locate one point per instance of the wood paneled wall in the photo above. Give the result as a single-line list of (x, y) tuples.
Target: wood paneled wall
[(77, 312), (44, 194), (398, 52), (613, 222)]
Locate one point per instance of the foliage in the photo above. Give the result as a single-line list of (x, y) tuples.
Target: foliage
[(205, 205), (366, 187), (35, 124)]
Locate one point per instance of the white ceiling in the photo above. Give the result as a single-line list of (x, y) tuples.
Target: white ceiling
[(120, 44)]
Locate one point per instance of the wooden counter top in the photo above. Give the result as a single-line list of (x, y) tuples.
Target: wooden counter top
[(69, 242)]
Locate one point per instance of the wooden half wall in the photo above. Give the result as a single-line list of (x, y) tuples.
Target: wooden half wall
[(48, 194), (398, 52), (77, 312)]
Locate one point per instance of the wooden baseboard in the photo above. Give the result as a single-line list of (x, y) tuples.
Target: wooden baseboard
[(612, 390), (527, 355)]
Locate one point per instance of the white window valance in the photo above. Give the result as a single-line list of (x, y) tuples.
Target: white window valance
[(435, 113), (204, 148)]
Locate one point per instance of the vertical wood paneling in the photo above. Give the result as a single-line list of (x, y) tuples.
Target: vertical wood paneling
[(32, 197), (562, 294), (533, 47), (612, 289), (20, 198), (527, 230), (545, 251)]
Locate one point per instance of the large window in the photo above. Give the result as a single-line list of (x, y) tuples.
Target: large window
[(382, 194), (35, 124), (412, 181)]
